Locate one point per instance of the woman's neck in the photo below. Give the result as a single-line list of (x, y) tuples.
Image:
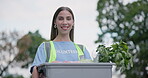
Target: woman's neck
[(62, 38)]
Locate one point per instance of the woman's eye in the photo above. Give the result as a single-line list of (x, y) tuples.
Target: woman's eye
[(68, 18), (60, 18)]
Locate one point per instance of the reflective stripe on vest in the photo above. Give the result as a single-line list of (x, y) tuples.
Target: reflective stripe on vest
[(53, 52)]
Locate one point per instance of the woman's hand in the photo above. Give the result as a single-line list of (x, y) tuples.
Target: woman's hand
[(35, 73)]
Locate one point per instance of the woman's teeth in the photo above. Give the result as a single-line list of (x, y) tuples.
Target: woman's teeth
[(65, 27)]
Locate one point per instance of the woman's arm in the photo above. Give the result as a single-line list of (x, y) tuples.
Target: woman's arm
[(40, 58)]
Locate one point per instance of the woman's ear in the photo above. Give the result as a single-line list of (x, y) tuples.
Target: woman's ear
[(73, 24), (54, 23)]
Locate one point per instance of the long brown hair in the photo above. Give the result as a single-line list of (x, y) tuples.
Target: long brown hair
[(54, 31)]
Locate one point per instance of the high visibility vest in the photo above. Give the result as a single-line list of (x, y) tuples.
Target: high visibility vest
[(52, 53)]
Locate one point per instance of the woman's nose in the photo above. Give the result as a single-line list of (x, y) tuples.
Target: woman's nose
[(65, 21)]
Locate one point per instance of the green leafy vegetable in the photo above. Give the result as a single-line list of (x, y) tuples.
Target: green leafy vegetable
[(117, 53)]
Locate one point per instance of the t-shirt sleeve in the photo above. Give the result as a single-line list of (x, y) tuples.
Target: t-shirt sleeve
[(40, 56)]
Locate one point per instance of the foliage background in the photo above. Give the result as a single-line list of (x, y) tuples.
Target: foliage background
[(126, 22), (130, 24)]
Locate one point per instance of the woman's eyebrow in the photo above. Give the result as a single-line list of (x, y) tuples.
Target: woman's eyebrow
[(60, 16)]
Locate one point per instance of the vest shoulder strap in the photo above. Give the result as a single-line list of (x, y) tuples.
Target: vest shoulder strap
[(81, 47), (47, 49), (48, 46)]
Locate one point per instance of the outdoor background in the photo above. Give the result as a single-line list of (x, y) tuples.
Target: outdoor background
[(24, 24)]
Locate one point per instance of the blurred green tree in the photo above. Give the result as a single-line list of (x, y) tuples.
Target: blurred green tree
[(16, 51), (128, 23), (27, 46)]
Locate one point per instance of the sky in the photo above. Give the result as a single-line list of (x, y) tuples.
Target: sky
[(32, 15)]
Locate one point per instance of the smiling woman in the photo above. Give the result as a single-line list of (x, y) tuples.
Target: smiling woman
[(62, 47), (63, 23), (63, 18)]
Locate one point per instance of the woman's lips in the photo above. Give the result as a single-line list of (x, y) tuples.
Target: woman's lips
[(65, 27)]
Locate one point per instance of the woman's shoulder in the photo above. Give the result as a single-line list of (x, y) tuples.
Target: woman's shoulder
[(80, 45), (41, 45)]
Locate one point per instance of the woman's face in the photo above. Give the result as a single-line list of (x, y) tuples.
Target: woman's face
[(64, 22)]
